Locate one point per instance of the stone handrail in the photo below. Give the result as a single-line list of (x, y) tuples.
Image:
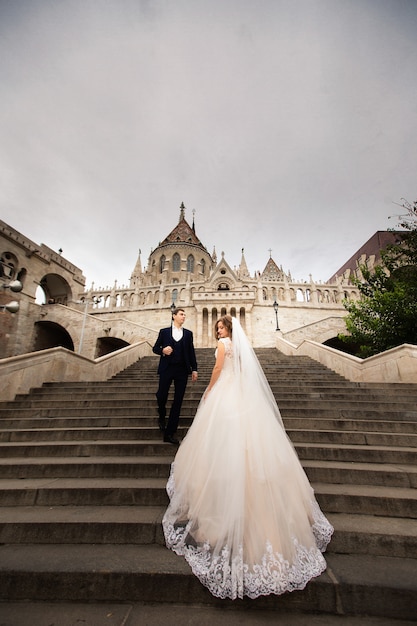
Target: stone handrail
[(18, 374), (398, 365)]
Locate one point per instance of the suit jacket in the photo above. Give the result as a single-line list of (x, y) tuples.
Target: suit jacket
[(165, 339)]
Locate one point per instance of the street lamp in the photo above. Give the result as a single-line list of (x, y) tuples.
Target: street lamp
[(173, 307), (276, 306), (15, 286), (94, 300), (13, 306)]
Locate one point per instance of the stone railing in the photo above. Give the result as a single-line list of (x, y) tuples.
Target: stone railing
[(21, 373), (398, 365)]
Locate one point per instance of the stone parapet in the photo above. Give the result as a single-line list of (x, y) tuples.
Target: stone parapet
[(21, 373), (398, 365)]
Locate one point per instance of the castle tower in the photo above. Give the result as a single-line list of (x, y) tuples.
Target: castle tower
[(181, 256)]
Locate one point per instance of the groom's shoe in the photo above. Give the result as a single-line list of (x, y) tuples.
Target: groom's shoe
[(171, 439)]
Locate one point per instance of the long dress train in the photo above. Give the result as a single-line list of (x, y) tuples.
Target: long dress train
[(242, 511)]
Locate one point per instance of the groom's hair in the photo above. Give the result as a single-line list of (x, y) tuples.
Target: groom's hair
[(175, 311)]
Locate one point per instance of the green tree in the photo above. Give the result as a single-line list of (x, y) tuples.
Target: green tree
[(385, 316)]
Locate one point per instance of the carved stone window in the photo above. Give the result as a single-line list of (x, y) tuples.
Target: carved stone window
[(176, 262)]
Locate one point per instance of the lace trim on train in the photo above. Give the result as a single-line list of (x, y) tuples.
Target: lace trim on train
[(232, 578)]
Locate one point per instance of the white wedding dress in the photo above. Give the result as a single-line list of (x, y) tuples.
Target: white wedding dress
[(242, 511)]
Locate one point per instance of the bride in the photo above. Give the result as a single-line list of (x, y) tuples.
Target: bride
[(242, 511)]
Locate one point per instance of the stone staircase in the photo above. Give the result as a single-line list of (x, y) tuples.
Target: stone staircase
[(82, 491)]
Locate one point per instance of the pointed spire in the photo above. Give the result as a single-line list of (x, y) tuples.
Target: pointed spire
[(193, 226), (243, 268), (214, 255), (182, 212), (137, 272)]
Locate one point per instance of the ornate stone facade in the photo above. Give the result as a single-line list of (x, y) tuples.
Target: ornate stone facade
[(180, 271)]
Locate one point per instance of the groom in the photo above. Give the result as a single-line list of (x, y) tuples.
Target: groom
[(176, 348)]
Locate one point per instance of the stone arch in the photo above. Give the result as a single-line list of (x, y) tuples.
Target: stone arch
[(51, 335), (56, 289), (299, 296)]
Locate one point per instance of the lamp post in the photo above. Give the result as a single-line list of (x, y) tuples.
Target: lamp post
[(276, 306), (173, 307), (94, 300)]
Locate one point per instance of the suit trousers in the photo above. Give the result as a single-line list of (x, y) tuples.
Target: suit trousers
[(179, 376)]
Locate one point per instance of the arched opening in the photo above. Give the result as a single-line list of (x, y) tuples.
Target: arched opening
[(190, 263), (205, 328), (56, 289), (242, 315), (51, 335), (105, 345)]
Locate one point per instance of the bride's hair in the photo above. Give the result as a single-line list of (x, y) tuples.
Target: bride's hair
[(226, 320)]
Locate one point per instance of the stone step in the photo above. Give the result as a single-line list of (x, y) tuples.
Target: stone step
[(107, 401), (337, 472), (359, 424), (372, 534), (381, 474), (147, 433), (147, 424), (189, 409), (358, 534), (358, 453), (82, 524), (81, 449), (92, 489), (303, 384), (156, 614), (353, 437), (352, 584)]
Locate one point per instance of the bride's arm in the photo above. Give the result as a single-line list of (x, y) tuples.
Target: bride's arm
[(218, 366)]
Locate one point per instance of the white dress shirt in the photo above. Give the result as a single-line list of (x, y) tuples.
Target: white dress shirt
[(177, 333)]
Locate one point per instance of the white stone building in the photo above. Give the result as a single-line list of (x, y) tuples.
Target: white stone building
[(180, 272)]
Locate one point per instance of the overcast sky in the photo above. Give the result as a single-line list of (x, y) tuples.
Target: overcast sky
[(287, 125)]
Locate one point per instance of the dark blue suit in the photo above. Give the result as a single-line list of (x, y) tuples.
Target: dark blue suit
[(175, 367)]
